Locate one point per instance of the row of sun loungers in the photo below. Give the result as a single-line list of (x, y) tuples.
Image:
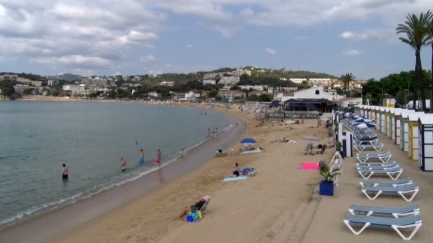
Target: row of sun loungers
[(405, 220)]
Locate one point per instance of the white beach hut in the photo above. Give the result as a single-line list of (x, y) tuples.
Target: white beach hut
[(374, 112), (404, 130), (414, 134), (369, 108), (382, 119), (398, 124), (425, 143), (391, 122), (388, 124)]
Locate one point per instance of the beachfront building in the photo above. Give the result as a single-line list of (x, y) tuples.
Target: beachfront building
[(19, 88), (350, 102), (29, 81), (75, 89), (315, 92), (154, 94)]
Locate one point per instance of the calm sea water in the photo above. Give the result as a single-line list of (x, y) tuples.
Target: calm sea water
[(90, 138)]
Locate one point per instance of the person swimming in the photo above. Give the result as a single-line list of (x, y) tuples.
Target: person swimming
[(141, 160), (122, 164), (157, 160), (65, 172)]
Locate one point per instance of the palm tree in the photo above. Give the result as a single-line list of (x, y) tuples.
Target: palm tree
[(347, 79), (430, 34), (416, 36)]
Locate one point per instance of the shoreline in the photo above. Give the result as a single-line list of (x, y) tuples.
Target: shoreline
[(84, 210)]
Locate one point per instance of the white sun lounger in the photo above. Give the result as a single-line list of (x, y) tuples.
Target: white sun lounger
[(396, 212), (385, 183), (365, 141), (371, 168), (397, 224), (393, 173), (383, 156), (401, 190), (389, 164), (362, 147)]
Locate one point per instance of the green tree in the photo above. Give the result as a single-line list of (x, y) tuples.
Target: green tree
[(416, 36), (347, 79)]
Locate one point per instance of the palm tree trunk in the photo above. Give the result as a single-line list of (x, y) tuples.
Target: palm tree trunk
[(420, 80), (414, 85), (431, 81)]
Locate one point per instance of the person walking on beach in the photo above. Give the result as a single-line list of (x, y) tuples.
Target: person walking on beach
[(141, 160), (65, 172), (122, 164), (157, 160)]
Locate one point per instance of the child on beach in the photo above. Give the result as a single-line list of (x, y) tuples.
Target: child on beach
[(157, 160), (196, 206), (141, 160), (122, 164)]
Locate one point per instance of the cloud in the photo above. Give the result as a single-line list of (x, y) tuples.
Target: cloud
[(189, 46), (374, 35), (351, 53), (148, 59), (301, 38), (270, 51), (75, 61)]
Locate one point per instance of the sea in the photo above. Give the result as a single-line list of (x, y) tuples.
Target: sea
[(37, 137)]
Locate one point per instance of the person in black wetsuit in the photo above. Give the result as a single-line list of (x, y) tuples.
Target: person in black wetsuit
[(65, 172)]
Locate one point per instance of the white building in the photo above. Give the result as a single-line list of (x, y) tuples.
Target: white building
[(255, 87), (209, 81), (298, 80), (315, 92), (75, 89), (349, 102)]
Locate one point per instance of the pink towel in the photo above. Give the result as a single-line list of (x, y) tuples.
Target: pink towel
[(309, 166)]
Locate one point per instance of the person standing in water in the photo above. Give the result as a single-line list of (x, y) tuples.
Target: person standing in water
[(141, 160), (65, 172), (122, 164), (157, 160)]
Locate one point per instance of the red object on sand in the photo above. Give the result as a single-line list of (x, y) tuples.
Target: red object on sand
[(310, 166)]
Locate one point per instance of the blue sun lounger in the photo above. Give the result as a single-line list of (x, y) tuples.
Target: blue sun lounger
[(365, 141), (385, 183), (401, 190), (393, 173), (396, 212), (362, 147), (377, 165), (397, 224), (382, 156)]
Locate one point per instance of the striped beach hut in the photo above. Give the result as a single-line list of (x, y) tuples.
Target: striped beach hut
[(388, 120), (414, 135), (425, 143), (382, 119), (391, 122), (374, 114), (398, 124)]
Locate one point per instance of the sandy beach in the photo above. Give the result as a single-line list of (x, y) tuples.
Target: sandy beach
[(279, 204)]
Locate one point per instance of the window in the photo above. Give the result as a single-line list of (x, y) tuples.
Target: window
[(317, 92)]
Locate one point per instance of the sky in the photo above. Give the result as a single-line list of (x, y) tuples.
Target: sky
[(135, 37)]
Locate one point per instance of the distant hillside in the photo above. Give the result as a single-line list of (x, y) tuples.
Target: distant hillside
[(66, 76)]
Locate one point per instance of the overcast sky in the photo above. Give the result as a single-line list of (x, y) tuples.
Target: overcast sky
[(159, 36)]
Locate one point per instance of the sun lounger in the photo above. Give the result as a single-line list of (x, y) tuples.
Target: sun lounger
[(362, 147), (392, 166), (255, 151), (397, 224), (393, 173), (383, 156), (389, 164), (401, 190), (365, 141), (396, 212), (384, 183)]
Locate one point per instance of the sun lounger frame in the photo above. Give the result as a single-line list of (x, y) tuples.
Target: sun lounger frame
[(394, 174), (362, 147), (383, 156), (402, 191), (384, 183), (397, 224), (396, 212)]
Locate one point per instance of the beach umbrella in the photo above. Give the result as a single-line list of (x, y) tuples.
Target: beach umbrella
[(311, 138), (248, 141), (290, 122)]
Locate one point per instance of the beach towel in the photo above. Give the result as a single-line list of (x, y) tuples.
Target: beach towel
[(239, 178), (309, 166)]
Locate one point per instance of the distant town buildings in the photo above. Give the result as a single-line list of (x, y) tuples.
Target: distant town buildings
[(167, 83)]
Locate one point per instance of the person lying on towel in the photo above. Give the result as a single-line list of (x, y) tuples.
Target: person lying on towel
[(196, 206)]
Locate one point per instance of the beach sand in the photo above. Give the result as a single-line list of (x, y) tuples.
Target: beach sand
[(279, 204), (274, 206)]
